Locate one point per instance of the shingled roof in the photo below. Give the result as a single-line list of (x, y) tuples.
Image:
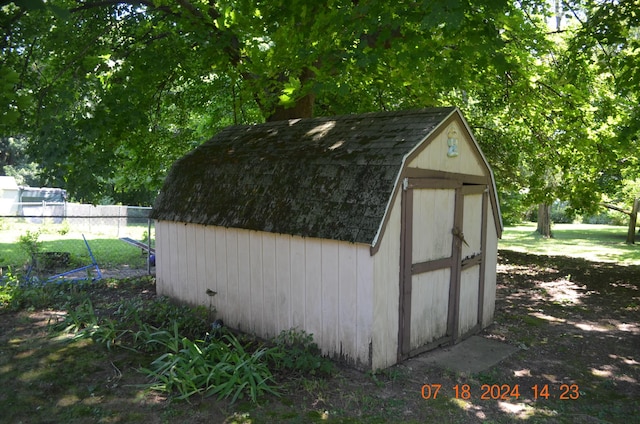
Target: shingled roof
[(322, 177)]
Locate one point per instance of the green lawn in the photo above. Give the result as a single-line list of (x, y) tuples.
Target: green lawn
[(598, 243), (105, 244)]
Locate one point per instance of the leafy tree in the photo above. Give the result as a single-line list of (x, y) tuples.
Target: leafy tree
[(110, 93), (14, 163), (119, 89)]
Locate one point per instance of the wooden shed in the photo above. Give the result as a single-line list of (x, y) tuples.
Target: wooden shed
[(377, 233)]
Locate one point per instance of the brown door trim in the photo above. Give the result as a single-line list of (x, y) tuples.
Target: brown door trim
[(406, 257), (454, 262)]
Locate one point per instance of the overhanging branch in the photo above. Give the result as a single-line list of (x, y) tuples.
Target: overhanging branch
[(615, 208)]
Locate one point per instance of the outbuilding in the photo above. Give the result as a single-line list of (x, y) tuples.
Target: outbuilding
[(377, 233), (9, 195)]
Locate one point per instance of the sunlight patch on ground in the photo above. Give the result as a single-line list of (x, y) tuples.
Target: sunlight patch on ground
[(627, 361), (517, 410), (563, 291), (469, 406), (522, 373), (611, 325), (606, 372), (548, 317), (632, 328), (590, 326), (31, 375), (611, 372), (68, 400), (92, 400), (25, 354)]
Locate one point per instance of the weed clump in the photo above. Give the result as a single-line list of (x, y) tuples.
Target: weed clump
[(187, 355), (300, 355)]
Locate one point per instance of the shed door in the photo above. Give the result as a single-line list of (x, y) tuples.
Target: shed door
[(442, 263)]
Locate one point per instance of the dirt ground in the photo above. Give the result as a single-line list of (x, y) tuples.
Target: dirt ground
[(576, 325)]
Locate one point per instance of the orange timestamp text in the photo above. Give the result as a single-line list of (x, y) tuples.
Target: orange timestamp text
[(504, 391)]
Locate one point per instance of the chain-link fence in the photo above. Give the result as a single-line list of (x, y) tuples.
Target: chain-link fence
[(50, 241)]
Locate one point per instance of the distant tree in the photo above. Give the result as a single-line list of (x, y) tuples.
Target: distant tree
[(119, 89), (15, 163)]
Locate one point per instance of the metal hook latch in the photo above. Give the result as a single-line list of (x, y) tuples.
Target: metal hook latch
[(457, 233)]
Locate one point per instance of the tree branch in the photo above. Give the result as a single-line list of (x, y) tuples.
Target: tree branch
[(615, 208)]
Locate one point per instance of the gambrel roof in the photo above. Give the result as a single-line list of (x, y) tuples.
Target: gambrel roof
[(328, 178)]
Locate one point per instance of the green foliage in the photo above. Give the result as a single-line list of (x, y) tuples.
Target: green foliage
[(300, 354), (30, 244), (561, 213), (64, 228), (9, 284), (606, 217), (81, 320), (18, 295), (90, 87), (222, 368), (160, 312), (513, 207)]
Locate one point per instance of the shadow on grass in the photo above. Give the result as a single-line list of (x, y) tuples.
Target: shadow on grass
[(578, 323)]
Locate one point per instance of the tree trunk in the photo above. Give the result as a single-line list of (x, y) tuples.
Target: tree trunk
[(544, 220), (302, 109), (633, 217)]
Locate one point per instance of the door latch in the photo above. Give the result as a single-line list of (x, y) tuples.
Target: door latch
[(457, 233)]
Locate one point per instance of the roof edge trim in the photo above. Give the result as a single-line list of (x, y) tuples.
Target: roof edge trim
[(401, 170)]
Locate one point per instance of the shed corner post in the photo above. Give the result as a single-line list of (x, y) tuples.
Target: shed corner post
[(406, 259)]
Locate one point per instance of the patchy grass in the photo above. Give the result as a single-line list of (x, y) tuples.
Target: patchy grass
[(597, 243), (576, 322), (109, 251)]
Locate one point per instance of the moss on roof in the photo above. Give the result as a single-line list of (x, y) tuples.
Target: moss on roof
[(321, 177)]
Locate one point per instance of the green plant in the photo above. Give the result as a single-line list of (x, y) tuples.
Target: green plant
[(64, 228), (300, 354), (8, 287), (161, 312), (81, 320), (17, 295), (29, 242), (223, 367)]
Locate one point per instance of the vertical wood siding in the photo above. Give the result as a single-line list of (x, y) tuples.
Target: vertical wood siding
[(472, 225), (432, 224), (468, 313), (267, 283), (491, 260), (387, 293), (429, 306)]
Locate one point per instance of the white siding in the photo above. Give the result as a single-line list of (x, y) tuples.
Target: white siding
[(267, 283), (432, 224), (387, 293), (429, 306), (434, 156), (491, 258), (469, 287), (472, 225)]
